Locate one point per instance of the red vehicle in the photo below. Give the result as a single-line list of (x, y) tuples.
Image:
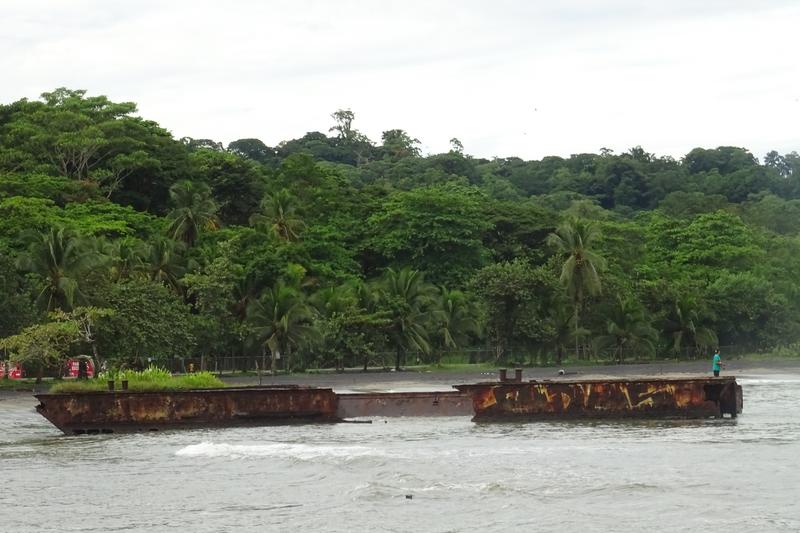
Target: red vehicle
[(14, 371), (73, 368)]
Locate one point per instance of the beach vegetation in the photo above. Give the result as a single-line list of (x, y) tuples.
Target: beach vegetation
[(332, 250), (151, 379)]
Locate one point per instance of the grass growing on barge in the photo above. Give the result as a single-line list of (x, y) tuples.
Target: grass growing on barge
[(150, 380)]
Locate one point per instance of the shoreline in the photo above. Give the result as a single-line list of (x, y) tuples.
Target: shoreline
[(410, 380), (442, 380)]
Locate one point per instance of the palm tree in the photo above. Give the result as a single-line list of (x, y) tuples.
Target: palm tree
[(164, 262), (562, 320), (580, 272), (245, 291), (279, 216), (684, 325), (63, 259), (337, 312), (280, 320), (627, 328), (127, 258), (455, 318), (404, 294), (374, 319), (195, 211)]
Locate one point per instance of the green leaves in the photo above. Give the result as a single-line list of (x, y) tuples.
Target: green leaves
[(437, 229), (279, 216), (405, 296), (42, 344), (580, 272), (530, 256), (147, 321), (281, 320), (195, 211), (62, 259)]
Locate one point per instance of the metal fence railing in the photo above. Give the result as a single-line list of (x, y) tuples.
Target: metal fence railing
[(515, 355)]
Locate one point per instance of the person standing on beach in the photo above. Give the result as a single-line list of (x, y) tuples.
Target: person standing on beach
[(716, 363)]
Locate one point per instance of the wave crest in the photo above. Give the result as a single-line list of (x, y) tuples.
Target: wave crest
[(285, 450)]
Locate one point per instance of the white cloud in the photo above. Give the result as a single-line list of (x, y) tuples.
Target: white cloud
[(514, 78)]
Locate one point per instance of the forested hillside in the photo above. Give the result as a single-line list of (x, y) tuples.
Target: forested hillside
[(119, 240)]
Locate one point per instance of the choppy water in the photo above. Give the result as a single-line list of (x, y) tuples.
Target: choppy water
[(726, 475)]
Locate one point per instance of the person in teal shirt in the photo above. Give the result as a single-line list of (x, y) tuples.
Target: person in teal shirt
[(716, 365)]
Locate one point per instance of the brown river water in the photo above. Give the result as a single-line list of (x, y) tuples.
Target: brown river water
[(414, 474)]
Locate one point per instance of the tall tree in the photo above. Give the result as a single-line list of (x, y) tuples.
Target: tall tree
[(281, 320), (455, 319), (194, 212), (127, 257), (563, 332), (16, 298), (349, 323), (627, 329), (573, 241), (349, 137), (405, 296), (397, 144), (164, 262), (146, 321), (279, 216), (517, 298), (62, 259), (685, 325), (437, 230)]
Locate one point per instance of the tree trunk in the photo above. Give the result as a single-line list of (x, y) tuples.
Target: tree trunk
[(577, 326), (499, 351), (98, 363), (274, 362), (559, 354), (397, 358)]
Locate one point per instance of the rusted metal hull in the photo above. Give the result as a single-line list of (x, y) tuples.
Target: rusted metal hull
[(449, 403), (120, 411), (611, 398), (112, 412)]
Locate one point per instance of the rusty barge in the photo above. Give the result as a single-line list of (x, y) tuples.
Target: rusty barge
[(506, 399), (125, 412), (646, 397)]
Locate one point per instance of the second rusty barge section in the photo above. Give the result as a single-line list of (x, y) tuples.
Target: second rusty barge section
[(646, 397)]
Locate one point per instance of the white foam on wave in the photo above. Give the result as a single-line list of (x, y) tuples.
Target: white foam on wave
[(293, 451), (744, 380)]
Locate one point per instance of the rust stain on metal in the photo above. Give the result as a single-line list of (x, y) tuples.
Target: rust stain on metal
[(109, 412), (609, 398), (449, 403)]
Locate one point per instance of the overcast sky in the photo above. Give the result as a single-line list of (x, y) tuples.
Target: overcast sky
[(508, 78)]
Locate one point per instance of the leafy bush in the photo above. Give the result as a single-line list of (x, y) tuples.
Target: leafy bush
[(149, 380)]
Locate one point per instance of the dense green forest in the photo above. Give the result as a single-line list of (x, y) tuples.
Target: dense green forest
[(118, 240)]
